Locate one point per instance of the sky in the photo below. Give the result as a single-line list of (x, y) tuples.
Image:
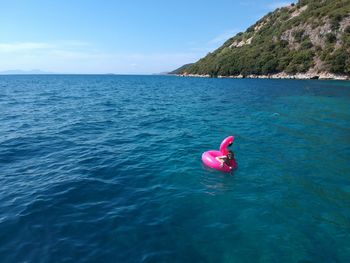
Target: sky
[(119, 36)]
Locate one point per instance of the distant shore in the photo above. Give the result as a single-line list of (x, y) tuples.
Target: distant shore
[(282, 75)]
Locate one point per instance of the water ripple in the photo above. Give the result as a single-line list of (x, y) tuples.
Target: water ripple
[(108, 168)]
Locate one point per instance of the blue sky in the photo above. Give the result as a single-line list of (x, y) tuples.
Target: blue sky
[(127, 37)]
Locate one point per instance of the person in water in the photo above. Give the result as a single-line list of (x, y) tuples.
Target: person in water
[(225, 159)]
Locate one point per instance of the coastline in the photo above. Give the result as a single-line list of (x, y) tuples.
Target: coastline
[(281, 75)]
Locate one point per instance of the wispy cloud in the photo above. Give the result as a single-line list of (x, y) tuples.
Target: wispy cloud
[(23, 46), (41, 46), (81, 57), (219, 39), (278, 5)]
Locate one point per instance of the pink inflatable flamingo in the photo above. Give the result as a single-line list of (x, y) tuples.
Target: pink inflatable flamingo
[(209, 159)]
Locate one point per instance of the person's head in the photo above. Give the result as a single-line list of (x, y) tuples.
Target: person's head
[(230, 155)]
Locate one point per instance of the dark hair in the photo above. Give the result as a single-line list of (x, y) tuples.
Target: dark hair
[(231, 155)]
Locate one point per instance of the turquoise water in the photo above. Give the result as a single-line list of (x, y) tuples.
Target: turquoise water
[(108, 169)]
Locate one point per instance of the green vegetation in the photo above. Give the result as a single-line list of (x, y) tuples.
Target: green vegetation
[(181, 69), (290, 39)]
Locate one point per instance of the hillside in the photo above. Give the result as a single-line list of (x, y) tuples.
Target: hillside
[(308, 39), (181, 69)]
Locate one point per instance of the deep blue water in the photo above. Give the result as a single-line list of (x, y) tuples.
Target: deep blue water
[(108, 169)]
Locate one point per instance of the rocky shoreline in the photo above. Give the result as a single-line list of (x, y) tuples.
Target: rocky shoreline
[(282, 75)]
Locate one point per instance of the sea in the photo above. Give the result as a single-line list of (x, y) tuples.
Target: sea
[(107, 168)]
